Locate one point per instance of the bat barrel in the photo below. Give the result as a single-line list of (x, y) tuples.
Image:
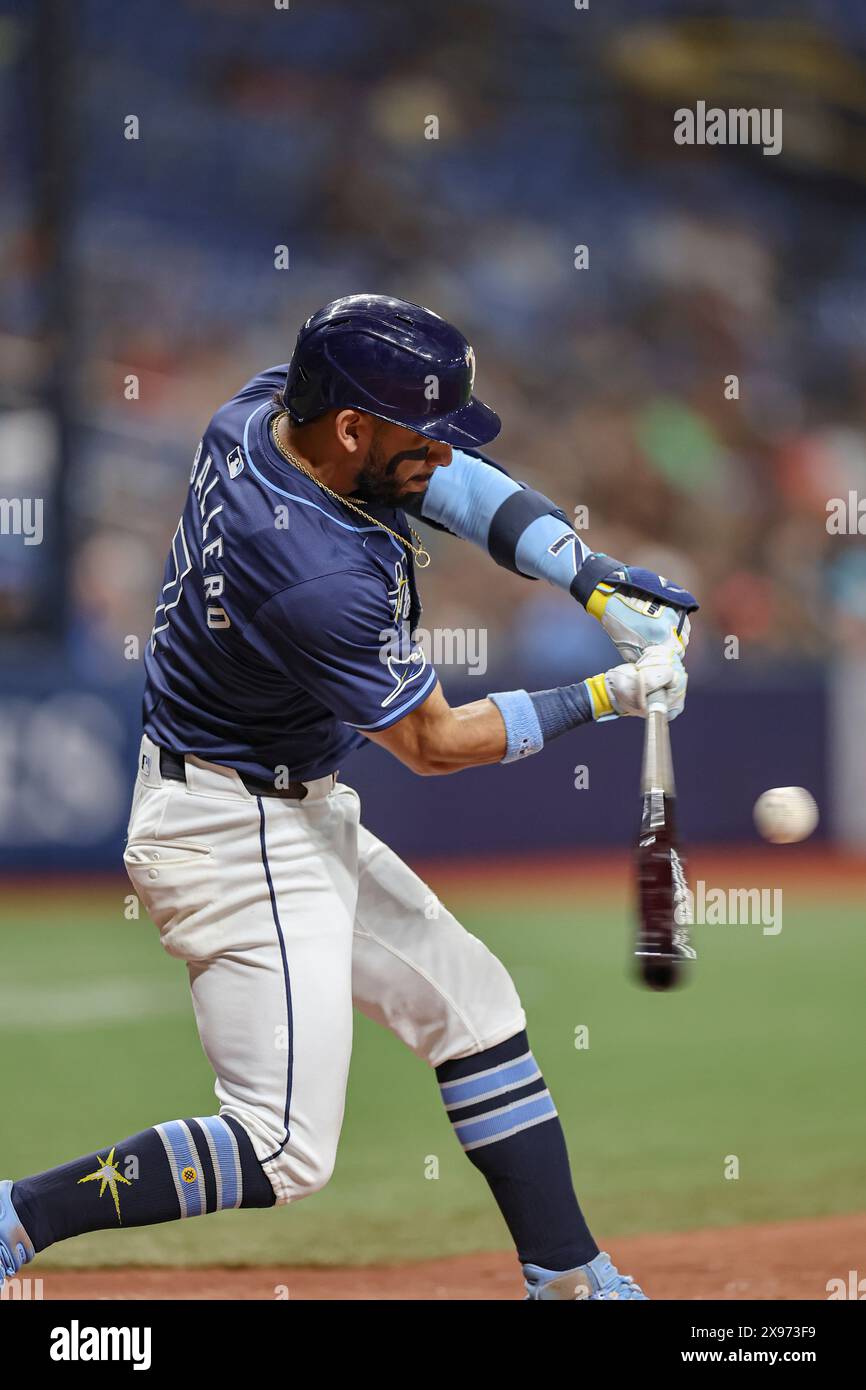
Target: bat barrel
[(662, 941)]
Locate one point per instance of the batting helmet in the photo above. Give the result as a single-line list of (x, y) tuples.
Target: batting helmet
[(392, 359)]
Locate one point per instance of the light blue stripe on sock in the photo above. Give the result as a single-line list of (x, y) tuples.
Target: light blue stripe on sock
[(501, 1078), (486, 1129), (225, 1154), (186, 1156)]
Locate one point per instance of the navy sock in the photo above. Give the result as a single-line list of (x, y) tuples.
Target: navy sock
[(183, 1168), (505, 1119)]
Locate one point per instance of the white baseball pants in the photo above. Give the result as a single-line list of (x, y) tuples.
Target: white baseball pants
[(287, 913)]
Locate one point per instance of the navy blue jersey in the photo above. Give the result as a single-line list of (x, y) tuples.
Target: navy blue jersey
[(280, 631)]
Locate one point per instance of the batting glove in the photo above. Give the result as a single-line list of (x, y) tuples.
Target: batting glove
[(634, 622), (624, 690)]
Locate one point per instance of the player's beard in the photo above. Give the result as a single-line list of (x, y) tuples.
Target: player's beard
[(376, 481)]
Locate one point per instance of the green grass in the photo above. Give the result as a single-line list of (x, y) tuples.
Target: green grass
[(758, 1058)]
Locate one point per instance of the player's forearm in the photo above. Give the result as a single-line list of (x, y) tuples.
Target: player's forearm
[(474, 736), (521, 529), (504, 728), (437, 739), (524, 531)]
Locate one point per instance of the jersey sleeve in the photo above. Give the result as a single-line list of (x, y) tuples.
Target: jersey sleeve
[(337, 638)]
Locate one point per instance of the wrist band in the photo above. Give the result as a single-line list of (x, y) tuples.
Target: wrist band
[(522, 728), (532, 720)]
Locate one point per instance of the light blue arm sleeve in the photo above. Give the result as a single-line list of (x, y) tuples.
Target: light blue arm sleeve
[(525, 532), (549, 549), (466, 495), (516, 525)]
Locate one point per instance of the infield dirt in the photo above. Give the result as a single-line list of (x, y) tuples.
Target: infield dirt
[(793, 1260)]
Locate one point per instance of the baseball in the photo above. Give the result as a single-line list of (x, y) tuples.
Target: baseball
[(785, 815)]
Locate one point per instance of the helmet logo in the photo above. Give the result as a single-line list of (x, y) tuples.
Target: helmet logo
[(470, 362)]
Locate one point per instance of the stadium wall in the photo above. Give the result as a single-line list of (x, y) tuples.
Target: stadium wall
[(69, 753)]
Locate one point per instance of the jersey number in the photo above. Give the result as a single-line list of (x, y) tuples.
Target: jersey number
[(173, 588)]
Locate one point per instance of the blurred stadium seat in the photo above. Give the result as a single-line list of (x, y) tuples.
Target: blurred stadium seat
[(610, 382)]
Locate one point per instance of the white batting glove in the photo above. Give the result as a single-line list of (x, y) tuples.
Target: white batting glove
[(661, 668), (624, 689)]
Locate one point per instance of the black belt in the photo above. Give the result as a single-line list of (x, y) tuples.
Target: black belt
[(173, 767)]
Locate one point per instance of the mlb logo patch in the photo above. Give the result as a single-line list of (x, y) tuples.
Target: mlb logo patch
[(235, 461), (145, 764)]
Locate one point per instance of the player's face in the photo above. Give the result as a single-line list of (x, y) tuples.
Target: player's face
[(399, 464)]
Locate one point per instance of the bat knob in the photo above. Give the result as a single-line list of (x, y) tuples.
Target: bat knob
[(659, 972)]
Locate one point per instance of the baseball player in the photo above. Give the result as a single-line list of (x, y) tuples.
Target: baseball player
[(282, 640)]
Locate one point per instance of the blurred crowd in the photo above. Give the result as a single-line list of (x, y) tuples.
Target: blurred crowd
[(694, 383)]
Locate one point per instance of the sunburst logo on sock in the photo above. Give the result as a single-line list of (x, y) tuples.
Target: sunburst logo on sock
[(189, 1174), (108, 1176)]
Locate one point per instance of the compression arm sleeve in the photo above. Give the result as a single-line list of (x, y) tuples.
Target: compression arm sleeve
[(521, 529)]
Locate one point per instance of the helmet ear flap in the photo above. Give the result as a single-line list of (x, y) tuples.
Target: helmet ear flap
[(286, 392), (298, 394)]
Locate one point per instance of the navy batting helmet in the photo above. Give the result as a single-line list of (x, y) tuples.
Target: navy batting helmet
[(392, 359)]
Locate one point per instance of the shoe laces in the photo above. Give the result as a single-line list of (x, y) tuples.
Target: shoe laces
[(620, 1286)]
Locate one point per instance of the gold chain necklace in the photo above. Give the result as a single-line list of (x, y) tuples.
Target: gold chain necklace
[(422, 558)]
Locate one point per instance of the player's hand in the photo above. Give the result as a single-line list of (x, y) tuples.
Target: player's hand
[(634, 623), (629, 686), (661, 669)]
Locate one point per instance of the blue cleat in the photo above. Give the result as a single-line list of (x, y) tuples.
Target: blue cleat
[(16, 1247), (596, 1281)]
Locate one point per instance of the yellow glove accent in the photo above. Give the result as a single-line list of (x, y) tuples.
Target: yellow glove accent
[(598, 694), (598, 599)]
